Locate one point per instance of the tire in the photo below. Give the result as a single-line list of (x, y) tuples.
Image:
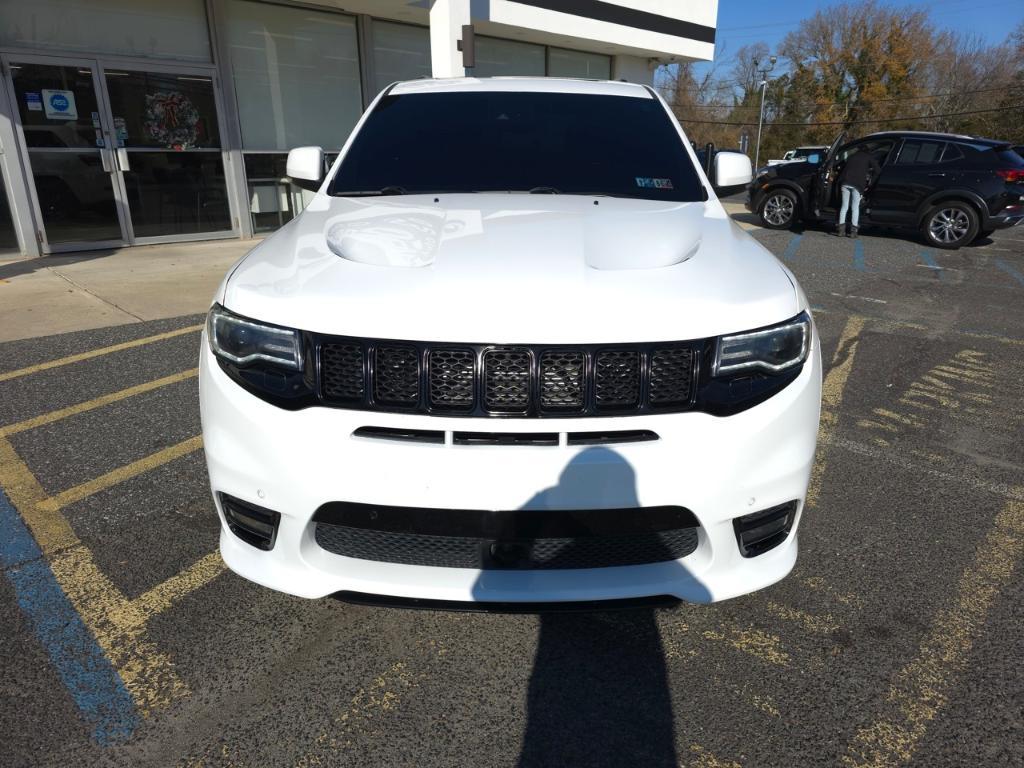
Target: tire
[(950, 225), (779, 209)]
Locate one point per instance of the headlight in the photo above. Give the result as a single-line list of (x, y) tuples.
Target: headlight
[(772, 349), (241, 341)]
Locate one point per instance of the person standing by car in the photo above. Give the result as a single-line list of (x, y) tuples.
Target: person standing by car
[(859, 169)]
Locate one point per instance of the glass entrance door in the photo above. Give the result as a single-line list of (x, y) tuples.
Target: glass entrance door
[(167, 144), (62, 127), (119, 154)]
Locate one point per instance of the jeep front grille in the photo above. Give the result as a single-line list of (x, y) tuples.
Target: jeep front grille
[(511, 381)]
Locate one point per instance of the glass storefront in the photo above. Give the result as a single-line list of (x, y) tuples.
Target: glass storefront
[(565, 63), (173, 171), (296, 75), (496, 57), (400, 52), (297, 83)]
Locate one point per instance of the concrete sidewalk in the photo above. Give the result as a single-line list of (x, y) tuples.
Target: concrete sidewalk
[(95, 289)]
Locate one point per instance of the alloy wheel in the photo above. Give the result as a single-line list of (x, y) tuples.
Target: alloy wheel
[(949, 225), (778, 210)]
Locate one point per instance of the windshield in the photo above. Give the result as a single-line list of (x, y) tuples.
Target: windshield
[(488, 141)]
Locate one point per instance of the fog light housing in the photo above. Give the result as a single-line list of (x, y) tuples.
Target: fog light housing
[(254, 525), (759, 532)]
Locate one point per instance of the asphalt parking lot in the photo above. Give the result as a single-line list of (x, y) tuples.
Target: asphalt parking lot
[(897, 640)]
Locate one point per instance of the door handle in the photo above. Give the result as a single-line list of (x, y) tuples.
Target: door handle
[(106, 160), (938, 174), (122, 159)]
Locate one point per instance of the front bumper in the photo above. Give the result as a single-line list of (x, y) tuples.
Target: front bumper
[(720, 468)]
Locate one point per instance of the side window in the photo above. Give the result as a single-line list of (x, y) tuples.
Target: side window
[(918, 152), (952, 152), (878, 148)]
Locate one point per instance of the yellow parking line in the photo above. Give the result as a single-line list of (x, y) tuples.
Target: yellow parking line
[(97, 353), (50, 528), (922, 687), (820, 625), (832, 397), (119, 475), (701, 758), (754, 642), (113, 397), (118, 626), (164, 595), (147, 674)]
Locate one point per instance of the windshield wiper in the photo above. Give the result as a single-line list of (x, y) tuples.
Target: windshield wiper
[(390, 190), (544, 191)]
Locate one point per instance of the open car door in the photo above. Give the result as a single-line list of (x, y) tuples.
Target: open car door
[(826, 177)]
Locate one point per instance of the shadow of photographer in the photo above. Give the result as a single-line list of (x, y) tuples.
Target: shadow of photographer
[(599, 693)]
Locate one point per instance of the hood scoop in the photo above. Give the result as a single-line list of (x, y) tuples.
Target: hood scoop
[(611, 235), (643, 239)]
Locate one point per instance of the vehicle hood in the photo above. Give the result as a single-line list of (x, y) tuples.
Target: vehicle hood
[(507, 268)]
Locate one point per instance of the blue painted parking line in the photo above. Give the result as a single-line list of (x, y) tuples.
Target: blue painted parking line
[(1010, 271), (858, 256), (794, 243), (928, 257), (92, 681)]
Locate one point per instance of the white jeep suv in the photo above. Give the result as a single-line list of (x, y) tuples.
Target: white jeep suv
[(513, 354)]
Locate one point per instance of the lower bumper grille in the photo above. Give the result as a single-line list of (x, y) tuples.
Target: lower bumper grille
[(514, 540)]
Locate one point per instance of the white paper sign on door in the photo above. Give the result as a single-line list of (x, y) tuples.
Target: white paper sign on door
[(60, 105)]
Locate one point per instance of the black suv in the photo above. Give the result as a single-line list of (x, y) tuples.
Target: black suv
[(953, 189)]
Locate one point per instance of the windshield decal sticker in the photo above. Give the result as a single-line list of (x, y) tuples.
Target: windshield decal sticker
[(645, 182)]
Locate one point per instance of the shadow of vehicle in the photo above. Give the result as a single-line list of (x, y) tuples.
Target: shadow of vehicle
[(599, 693)]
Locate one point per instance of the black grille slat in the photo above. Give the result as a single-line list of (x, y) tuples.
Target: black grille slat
[(617, 379), (507, 378), (671, 376), (562, 380), (511, 381), (341, 372), (396, 375), (452, 373)]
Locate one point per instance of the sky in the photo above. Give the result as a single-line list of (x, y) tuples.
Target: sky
[(741, 22)]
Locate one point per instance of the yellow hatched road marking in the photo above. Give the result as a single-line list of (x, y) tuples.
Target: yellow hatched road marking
[(116, 624), (97, 353), (750, 640), (50, 528), (921, 688), (704, 759), (164, 595), (119, 475), (832, 397), (113, 397), (824, 624)]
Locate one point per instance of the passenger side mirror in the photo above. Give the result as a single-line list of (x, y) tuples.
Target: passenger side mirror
[(305, 167), (814, 157), (731, 169)]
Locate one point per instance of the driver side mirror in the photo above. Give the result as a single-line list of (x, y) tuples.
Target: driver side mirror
[(814, 158), (731, 169), (305, 167)]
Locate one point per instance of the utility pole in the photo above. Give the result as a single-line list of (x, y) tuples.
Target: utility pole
[(760, 120)]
